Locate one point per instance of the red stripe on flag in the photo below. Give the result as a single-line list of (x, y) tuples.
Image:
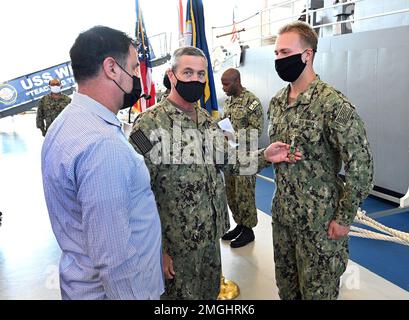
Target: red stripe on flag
[(234, 35), (181, 21), (148, 87)]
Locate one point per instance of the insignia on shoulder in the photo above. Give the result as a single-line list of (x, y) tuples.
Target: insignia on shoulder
[(344, 115), (254, 105), (141, 141)]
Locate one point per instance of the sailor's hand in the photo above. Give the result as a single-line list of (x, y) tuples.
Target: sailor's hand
[(279, 152), (229, 135), (337, 231), (168, 266)]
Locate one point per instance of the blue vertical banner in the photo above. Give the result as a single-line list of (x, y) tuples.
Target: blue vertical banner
[(195, 27)]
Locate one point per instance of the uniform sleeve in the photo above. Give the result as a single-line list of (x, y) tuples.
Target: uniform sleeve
[(64, 104), (226, 110), (348, 137), (248, 162), (256, 117), (262, 162), (270, 109), (140, 141), (40, 116), (67, 101)]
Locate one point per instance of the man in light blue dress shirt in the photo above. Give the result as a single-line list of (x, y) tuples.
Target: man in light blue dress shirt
[(97, 188)]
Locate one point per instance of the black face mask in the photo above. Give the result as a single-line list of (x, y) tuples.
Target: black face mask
[(290, 68), (131, 98), (191, 91)]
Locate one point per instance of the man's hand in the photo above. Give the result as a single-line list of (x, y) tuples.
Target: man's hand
[(229, 135), (337, 231), (168, 266), (279, 152)]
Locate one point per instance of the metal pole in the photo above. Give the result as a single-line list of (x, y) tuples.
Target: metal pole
[(307, 12)]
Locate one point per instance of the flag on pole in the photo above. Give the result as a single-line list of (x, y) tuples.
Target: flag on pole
[(181, 24), (180, 20), (145, 55), (195, 29), (234, 35)]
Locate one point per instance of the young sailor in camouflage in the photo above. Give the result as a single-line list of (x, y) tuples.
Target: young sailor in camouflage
[(313, 208)]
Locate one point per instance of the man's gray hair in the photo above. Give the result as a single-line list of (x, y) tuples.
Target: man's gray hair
[(186, 51)]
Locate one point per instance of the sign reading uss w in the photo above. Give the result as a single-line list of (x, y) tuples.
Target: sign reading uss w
[(35, 85)]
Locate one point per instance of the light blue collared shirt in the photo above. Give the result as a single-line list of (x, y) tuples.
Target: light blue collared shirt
[(101, 206)]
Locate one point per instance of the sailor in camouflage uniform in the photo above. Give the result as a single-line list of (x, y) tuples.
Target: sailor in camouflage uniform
[(245, 112), (190, 195), (313, 209), (167, 85), (50, 106)]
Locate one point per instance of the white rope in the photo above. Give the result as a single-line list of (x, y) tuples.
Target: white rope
[(364, 219), (392, 234), (364, 233)]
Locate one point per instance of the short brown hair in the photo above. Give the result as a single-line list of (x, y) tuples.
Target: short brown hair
[(308, 36)]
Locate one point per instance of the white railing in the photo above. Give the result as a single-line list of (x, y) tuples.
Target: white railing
[(363, 18), (265, 14)]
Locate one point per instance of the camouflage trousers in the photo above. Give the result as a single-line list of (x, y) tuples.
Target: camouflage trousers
[(308, 265), (197, 274), (240, 192)]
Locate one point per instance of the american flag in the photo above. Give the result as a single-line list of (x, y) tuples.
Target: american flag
[(145, 54), (180, 20), (234, 35)]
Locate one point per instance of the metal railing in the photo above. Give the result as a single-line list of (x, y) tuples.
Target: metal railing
[(159, 43), (363, 18), (266, 13)]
